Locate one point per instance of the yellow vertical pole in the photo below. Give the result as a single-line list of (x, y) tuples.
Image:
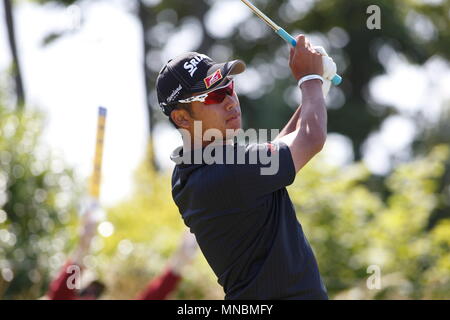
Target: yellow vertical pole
[(94, 188)]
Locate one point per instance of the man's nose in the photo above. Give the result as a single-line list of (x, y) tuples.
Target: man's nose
[(230, 102)]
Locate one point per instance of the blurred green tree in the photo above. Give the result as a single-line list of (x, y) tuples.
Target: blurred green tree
[(434, 133), (37, 207), (352, 228)]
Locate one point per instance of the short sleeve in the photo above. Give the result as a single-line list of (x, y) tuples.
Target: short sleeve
[(267, 168)]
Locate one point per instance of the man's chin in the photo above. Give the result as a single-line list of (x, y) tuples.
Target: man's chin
[(232, 133), (234, 124)]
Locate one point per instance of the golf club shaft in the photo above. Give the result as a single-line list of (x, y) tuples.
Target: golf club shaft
[(261, 15), (282, 33)]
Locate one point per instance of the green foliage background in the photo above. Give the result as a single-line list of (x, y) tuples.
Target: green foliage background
[(38, 198), (350, 226)]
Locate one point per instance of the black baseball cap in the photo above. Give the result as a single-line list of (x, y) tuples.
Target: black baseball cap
[(191, 73)]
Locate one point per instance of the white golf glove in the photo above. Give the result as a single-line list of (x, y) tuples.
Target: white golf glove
[(329, 70)]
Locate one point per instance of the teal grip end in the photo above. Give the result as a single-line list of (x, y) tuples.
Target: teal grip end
[(286, 36), (337, 79)]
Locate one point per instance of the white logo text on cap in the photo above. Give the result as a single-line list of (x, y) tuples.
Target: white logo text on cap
[(191, 66), (174, 93)]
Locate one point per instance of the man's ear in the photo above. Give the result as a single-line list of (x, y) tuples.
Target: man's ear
[(182, 118)]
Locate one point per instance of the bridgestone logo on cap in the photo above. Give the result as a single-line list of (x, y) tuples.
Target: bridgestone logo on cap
[(216, 76)]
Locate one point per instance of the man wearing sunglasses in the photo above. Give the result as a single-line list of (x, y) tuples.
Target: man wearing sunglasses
[(244, 221)]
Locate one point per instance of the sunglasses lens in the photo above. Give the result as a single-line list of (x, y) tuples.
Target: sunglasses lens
[(219, 95)]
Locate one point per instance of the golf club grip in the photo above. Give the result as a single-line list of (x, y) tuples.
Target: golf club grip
[(337, 79)]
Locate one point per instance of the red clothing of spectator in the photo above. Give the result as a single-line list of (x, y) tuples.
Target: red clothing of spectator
[(158, 289), (161, 287), (59, 288)]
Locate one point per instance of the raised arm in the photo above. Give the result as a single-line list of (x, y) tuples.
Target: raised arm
[(64, 287), (310, 134), (291, 125), (167, 282)]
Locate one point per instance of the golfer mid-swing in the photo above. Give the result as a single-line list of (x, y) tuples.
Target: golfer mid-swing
[(244, 221)]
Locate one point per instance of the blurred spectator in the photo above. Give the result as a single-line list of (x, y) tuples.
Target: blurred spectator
[(161, 287), (64, 287)]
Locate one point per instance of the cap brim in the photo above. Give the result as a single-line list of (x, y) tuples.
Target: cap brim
[(236, 67), (226, 69)]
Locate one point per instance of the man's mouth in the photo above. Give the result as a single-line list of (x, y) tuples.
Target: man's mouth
[(236, 116)]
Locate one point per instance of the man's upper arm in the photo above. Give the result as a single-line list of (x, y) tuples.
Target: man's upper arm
[(303, 147)]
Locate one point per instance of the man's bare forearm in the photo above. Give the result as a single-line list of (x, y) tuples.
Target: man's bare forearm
[(312, 121), (291, 125)]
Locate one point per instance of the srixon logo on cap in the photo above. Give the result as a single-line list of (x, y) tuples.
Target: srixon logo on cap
[(210, 80), (191, 66)]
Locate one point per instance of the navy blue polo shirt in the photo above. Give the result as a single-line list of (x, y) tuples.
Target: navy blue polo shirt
[(245, 223)]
